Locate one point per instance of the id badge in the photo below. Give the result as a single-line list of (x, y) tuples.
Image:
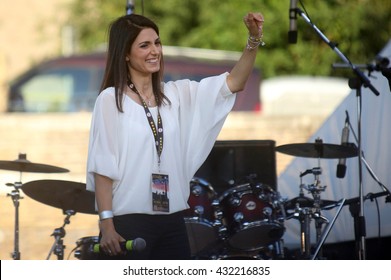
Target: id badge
[(160, 190)]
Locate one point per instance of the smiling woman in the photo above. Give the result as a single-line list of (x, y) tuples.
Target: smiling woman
[(148, 137)]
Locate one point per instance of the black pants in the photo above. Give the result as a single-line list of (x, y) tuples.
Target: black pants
[(165, 236)]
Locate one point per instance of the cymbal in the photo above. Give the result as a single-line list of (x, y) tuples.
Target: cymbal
[(65, 195), (23, 165), (319, 150), (306, 202)]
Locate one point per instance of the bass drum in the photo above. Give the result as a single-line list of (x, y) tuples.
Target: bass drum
[(253, 216), (85, 248), (200, 217)]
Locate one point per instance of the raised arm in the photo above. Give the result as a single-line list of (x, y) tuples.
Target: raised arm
[(240, 73)]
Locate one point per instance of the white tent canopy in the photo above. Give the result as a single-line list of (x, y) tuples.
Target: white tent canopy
[(376, 146)]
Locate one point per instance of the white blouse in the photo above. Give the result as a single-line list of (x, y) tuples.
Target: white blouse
[(122, 146)]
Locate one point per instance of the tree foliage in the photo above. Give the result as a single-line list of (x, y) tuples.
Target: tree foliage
[(360, 28)]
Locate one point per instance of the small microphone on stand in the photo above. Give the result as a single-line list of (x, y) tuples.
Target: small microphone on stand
[(292, 33), (341, 167), (129, 7)]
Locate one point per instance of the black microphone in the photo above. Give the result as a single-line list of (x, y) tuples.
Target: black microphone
[(292, 33), (387, 73), (129, 7), (136, 245), (381, 62), (341, 167), (381, 65)]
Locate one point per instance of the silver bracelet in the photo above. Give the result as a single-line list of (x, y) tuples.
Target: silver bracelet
[(254, 42), (106, 214)]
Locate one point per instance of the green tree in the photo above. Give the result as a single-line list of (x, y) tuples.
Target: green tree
[(360, 28)]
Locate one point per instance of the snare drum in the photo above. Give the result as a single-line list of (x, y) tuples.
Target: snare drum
[(252, 215), (85, 248), (200, 217)]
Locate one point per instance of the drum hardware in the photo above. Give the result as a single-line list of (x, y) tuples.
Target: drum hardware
[(222, 232), (274, 251), (305, 216), (218, 223), (307, 209), (237, 256), (84, 249), (23, 165), (15, 196), (71, 197), (323, 236), (59, 233), (279, 250)]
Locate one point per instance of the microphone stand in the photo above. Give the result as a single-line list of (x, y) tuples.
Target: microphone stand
[(369, 169), (365, 81), (360, 228), (353, 203), (362, 80)]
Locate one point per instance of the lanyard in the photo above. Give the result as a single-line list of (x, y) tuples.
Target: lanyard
[(157, 133)]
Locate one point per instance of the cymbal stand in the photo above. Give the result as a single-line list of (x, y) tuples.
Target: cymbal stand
[(315, 189), (305, 236), (306, 214), (58, 245), (15, 195)]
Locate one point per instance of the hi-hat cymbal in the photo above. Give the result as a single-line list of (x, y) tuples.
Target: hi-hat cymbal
[(319, 150), (306, 202), (65, 195), (23, 165)]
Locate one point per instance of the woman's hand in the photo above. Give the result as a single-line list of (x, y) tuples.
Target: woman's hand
[(254, 23), (110, 238), (240, 73)]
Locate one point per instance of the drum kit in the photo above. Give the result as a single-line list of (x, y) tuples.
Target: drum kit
[(246, 221), (243, 220)]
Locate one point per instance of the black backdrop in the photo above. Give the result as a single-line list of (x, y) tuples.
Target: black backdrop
[(231, 163)]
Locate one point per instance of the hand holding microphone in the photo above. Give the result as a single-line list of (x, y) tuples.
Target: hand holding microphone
[(136, 245)]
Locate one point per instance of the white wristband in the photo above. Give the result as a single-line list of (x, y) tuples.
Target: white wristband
[(106, 214)]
